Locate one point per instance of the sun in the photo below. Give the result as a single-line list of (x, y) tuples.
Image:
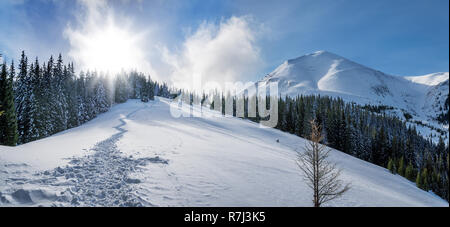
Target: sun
[(109, 49)]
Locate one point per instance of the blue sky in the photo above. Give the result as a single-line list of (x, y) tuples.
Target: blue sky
[(399, 37)]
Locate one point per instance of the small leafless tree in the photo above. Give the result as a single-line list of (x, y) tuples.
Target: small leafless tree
[(321, 175)]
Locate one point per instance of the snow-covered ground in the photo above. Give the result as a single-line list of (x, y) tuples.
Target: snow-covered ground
[(137, 154)]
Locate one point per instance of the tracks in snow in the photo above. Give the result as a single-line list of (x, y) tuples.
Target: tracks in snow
[(98, 179)]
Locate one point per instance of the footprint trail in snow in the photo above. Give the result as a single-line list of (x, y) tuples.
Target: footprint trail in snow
[(98, 179)]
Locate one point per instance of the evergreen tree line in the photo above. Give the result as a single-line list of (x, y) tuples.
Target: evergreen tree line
[(44, 99), (373, 136)]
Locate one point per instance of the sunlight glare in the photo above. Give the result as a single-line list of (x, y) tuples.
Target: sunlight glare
[(111, 49)]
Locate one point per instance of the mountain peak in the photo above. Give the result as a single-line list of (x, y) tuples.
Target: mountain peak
[(326, 73), (321, 52), (318, 55)]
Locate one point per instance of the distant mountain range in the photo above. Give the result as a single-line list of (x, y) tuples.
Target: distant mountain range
[(419, 99)]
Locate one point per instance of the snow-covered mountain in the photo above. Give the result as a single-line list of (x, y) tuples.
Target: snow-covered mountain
[(138, 154), (326, 73)]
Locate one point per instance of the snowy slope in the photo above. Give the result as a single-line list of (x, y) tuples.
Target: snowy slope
[(435, 99), (430, 79), (326, 73), (138, 154)]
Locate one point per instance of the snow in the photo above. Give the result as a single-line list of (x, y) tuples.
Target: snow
[(51, 152), (326, 73), (435, 99), (139, 155), (430, 79)]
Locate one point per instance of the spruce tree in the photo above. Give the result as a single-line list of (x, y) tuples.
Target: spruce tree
[(419, 180), (8, 121), (401, 167), (151, 89), (409, 172), (391, 166), (50, 113), (101, 98), (144, 91), (71, 96), (60, 103), (424, 179), (37, 126), (3, 86), (23, 95)]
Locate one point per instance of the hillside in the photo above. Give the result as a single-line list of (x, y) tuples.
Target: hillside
[(325, 73), (137, 154)]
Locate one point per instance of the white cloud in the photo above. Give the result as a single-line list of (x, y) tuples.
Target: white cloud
[(224, 52)]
